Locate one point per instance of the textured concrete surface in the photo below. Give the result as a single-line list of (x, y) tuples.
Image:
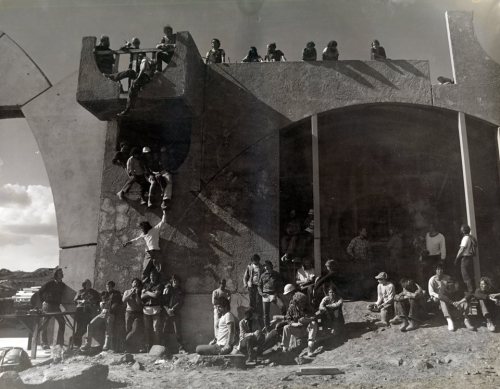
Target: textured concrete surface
[(477, 76), (20, 82), (78, 265), (71, 142)]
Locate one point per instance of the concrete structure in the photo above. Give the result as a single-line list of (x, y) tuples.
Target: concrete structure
[(387, 152)]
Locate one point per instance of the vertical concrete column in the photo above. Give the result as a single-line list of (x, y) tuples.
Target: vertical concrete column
[(498, 150), (316, 197), (469, 195)]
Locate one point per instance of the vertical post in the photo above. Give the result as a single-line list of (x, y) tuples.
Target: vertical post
[(469, 196), (498, 150), (316, 198)]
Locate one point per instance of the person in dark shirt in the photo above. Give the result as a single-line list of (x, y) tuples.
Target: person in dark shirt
[(270, 287), (87, 306), (377, 52), (488, 302), (111, 305), (173, 298), (134, 65), (322, 284), (309, 52), (454, 304), (133, 315), (331, 53), (51, 295), (167, 47), (151, 297), (215, 54), (273, 54), (121, 157), (251, 283), (252, 56), (408, 305), (104, 56)]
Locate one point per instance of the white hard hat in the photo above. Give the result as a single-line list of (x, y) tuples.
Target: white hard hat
[(146, 150), (289, 288)]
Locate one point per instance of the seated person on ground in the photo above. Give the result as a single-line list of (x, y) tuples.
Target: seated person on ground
[(454, 304), (331, 308), (385, 299), (305, 275), (253, 343), (488, 302), (226, 332), (436, 282), (408, 305), (322, 284), (104, 322), (300, 323)]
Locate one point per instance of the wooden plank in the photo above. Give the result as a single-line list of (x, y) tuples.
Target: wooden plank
[(319, 370)]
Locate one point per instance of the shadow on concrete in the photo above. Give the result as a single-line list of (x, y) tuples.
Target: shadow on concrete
[(363, 68)]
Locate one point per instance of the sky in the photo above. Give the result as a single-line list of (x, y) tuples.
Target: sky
[(50, 31)]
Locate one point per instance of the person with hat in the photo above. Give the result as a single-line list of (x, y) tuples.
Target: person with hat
[(385, 300), (270, 286)]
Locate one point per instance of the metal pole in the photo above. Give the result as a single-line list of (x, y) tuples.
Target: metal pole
[(469, 196), (316, 196)]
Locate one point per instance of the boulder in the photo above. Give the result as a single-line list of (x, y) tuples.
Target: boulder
[(79, 375), (157, 350), (11, 380), (138, 366)]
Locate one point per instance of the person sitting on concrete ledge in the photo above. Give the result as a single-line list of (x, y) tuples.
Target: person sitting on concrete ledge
[(385, 299), (167, 47), (377, 52), (309, 52), (454, 304), (252, 56), (226, 332), (253, 343), (136, 172), (151, 236), (273, 54), (408, 305), (331, 53), (300, 323), (151, 296), (331, 308), (135, 60), (104, 56), (488, 302), (104, 322), (215, 54)]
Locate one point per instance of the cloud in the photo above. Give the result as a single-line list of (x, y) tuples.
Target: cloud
[(14, 195), (7, 239)]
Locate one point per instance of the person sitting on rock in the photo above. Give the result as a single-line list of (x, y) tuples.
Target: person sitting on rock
[(273, 54), (104, 322), (454, 304), (408, 305), (488, 302), (134, 321), (331, 309), (173, 298), (215, 54), (136, 172), (309, 52), (151, 236), (225, 335), (253, 343), (167, 47), (300, 323), (151, 296), (385, 299), (331, 53), (87, 307), (252, 56)]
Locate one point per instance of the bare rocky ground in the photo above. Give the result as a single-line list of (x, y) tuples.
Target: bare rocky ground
[(430, 357)]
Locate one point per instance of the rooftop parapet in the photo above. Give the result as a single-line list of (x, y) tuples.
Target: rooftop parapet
[(174, 93)]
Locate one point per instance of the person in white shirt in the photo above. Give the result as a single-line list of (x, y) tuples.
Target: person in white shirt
[(385, 299), (151, 236), (436, 282), (226, 332), (465, 256), (435, 245)]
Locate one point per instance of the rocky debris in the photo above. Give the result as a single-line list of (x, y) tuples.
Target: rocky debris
[(447, 359), (126, 358), (138, 366), (11, 380), (157, 351), (423, 364), (78, 375)]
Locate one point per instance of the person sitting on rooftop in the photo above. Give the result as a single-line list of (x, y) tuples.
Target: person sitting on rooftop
[(134, 65), (273, 54), (385, 299), (167, 47), (104, 56), (377, 52), (309, 52), (331, 53), (252, 56), (215, 54)]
